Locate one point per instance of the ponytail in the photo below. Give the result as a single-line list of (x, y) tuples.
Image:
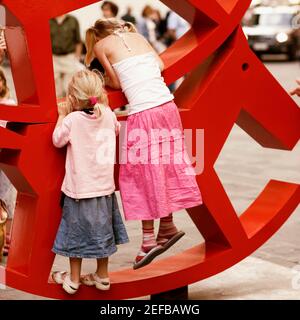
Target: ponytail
[(91, 40), (99, 109)]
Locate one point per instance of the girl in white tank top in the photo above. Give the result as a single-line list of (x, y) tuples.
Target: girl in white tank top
[(143, 85), (149, 189), (136, 68)]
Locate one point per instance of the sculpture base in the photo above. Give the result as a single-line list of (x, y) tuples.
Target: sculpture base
[(177, 294)]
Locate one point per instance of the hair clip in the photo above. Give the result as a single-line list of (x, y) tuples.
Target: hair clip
[(93, 100)]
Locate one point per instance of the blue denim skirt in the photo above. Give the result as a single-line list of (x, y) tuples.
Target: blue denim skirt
[(90, 228)]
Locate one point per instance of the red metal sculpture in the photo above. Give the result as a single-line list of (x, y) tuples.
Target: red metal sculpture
[(226, 84)]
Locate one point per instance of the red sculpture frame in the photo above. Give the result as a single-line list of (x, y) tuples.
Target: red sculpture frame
[(226, 84)]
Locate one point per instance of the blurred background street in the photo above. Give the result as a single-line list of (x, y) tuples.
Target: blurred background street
[(244, 166)]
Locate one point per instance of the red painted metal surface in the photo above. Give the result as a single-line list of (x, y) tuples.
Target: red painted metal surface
[(226, 84)]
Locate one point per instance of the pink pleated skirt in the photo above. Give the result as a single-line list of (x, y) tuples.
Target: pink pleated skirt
[(156, 175)]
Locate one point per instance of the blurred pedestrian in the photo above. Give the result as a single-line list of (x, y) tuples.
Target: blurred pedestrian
[(161, 26), (128, 17), (176, 26), (147, 27), (160, 31), (109, 10), (168, 39), (66, 48)]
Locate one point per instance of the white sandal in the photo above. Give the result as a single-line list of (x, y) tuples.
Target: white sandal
[(63, 278), (94, 280)]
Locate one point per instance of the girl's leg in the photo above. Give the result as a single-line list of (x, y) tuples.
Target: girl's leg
[(101, 278), (102, 268), (149, 241), (150, 248), (167, 229), (70, 282), (75, 266)]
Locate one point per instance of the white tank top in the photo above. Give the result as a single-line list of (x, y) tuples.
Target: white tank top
[(141, 81)]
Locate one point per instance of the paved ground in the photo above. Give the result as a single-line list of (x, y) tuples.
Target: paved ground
[(244, 168)]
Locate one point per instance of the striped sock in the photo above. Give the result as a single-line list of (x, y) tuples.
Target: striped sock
[(167, 229), (149, 241)]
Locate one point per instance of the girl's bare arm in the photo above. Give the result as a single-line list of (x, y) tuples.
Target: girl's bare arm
[(111, 79)]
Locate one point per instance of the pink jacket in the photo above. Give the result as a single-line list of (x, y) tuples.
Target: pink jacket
[(91, 149)]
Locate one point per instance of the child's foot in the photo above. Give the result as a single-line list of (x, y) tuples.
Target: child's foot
[(149, 249), (168, 234), (144, 258), (94, 280), (64, 279), (168, 242)]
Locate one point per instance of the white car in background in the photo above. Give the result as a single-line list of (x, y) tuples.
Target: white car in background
[(274, 30)]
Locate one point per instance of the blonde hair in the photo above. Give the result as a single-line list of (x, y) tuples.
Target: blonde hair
[(86, 91), (101, 30)]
